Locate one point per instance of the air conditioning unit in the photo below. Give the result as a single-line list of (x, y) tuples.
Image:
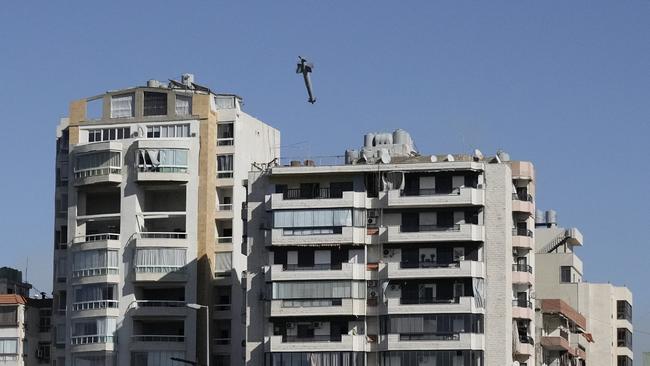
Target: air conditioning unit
[(373, 221), (317, 325)]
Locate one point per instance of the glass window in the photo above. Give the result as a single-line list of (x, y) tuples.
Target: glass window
[(223, 262), (224, 166), (155, 104), (8, 315), (122, 106), (159, 260), (183, 105), (565, 274), (8, 346), (623, 310)]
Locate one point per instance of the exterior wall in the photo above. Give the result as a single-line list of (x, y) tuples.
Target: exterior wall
[(16, 332)]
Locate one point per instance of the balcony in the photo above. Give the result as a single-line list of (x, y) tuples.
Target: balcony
[(522, 274), (98, 308), (317, 343), (438, 341), (312, 307), (522, 309), (409, 270), (464, 304), (96, 241), (324, 198), (327, 235), (157, 239), (523, 203), (522, 238), (159, 308), (344, 271), (98, 163), (92, 343), (558, 343), (522, 170), (433, 233), (158, 335), (463, 196), (524, 348), (224, 212)]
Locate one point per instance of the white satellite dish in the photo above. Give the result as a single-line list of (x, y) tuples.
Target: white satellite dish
[(478, 154), (450, 157), (384, 156), (434, 158)]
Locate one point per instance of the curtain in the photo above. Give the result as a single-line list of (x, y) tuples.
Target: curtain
[(94, 259), (122, 106), (95, 293), (183, 105), (159, 259), (163, 159), (8, 315), (223, 261), (224, 102), (319, 290), (313, 218), (8, 346), (98, 326), (103, 159), (479, 298), (224, 163)]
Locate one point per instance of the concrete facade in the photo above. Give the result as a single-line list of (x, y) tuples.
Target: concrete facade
[(24, 330), (423, 270), (149, 197)]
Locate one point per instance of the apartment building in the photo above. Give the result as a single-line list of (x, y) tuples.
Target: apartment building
[(607, 309), (11, 282), (24, 330), (391, 258), (150, 193)]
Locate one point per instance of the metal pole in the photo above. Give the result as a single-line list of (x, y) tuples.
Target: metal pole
[(207, 335)]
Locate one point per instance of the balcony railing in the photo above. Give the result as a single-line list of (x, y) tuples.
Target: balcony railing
[(520, 231), (425, 264), (90, 272), (96, 237), (310, 303), (224, 174), (427, 300), (94, 172), (518, 267), (90, 339), (224, 240), (222, 307), (162, 235), (145, 168), (429, 337), (428, 192), (158, 269), (328, 230), (314, 267), (522, 197), (314, 338), (425, 228), (224, 207), (320, 193), (160, 303), (221, 341), (522, 303), (225, 141), (95, 305), (157, 338)]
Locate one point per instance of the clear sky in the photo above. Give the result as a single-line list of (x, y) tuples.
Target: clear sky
[(565, 84)]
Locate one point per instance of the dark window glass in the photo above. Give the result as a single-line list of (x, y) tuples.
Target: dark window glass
[(155, 104)]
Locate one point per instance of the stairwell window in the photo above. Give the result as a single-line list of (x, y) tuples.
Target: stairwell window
[(122, 105), (155, 104), (224, 166)]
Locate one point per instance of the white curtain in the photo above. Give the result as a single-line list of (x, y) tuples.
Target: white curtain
[(224, 102), (223, 261), (8, 346), (160, 259), (319, 290), (94, 259), (122, 106), (97, 160), (98, 326), (224, 163), (183, 105), (95, 293), (312, 218), (479, 297)]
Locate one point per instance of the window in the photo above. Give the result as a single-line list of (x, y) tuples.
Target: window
[(8, 346), (319, 290), (109, 134), (94, 263), (177, 130), (447, 358), (122, 106), (183, 105), (155, 104), (223, 297), (44, 320), (162, 160), (623, 361), (60, 334), (159, 260), (225, 134), (8, 315), (442, 325), (98, 296), (565, 274), (159, 358), (624, 337), (313, 220), (43, 352), (223, 262), (224, 166), (623, 310), (224, 101), (97, 163), (322, 358), (98, 330)]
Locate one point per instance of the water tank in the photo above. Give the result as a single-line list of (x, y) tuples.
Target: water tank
[(401, 137), (368, 139), (351, 156), (153, 83), (551, 218), (539, 217)]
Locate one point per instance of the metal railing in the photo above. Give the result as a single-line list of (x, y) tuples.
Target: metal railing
[(429, 337), (162, 235), (95, 237), (95, 305), (224, 174), (90, 339), (315, 338), (157, 338), (425, 228), (522, 303), (429, 192), (224, 240), (319, 193), (94, 172), (427, 300), (300, 231), (522, 197), (425, 264), (90, 272), (222, 307), (224, 207), (221, 341), (158, 269), (310, 303), (160, 303), (521, 231), (313, 267), (225, 141), (520, 267), (143, 168)]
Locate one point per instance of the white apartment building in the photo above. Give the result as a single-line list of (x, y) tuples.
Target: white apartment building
[(24, 330), (151, 186), (391, 258), (606, 308)]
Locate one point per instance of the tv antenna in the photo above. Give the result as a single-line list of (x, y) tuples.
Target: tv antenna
[(305, 68)]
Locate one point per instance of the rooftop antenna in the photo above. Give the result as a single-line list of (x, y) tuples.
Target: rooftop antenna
[(305, 68)]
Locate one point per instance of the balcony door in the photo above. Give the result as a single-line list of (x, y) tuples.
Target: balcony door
[(410, 221)]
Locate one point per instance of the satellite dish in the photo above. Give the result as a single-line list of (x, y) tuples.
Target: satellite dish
[(434, 158), (478, 154), (450, 157), (384, 156), (364, 156)]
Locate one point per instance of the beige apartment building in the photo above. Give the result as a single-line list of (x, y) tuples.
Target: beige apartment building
[(605, 336), (391, 258), (150, 196)]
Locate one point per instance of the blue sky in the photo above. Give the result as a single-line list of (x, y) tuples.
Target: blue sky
[(565, 84)]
